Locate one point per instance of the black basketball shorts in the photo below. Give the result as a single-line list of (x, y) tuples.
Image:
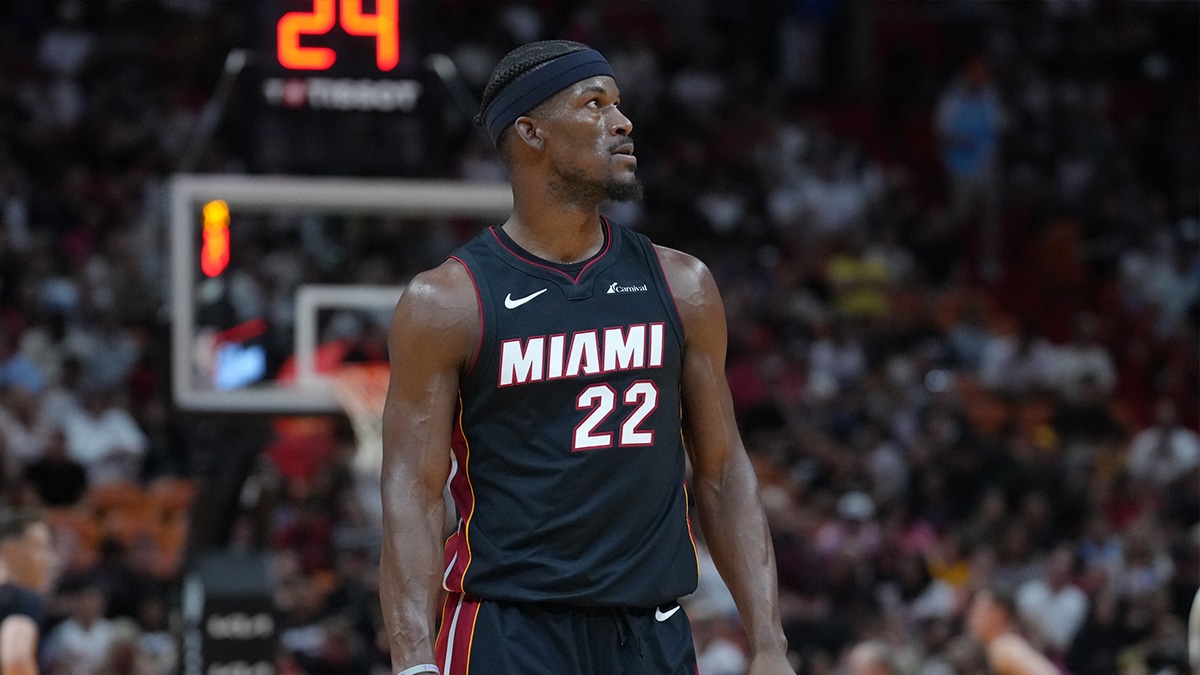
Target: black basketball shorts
[(481, 637)]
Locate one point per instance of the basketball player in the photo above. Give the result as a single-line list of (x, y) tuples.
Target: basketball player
[(569, 364), (27, 564), (991, 622)]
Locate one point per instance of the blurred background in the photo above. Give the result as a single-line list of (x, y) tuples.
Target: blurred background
[(958, 243)]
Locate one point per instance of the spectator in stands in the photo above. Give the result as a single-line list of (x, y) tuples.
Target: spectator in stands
[(24, 429), (104, 437), (1052, 605), (1085, 417), (836, 193), (835, 358), (934, 638), (1084, 358), (1100, 546), (1146, 565), (969, 337), (1166, 451), (915, 595), (60, 400), (1097, 647), (1019, 364), (124, 573), (859, 283), (157, 643), (79, 644), (15, 368), (57, 479), (42, 343), (112, 353), (854, 531), (1174, 288), (65, 49), (884, 462), (970, 121), (124, 655)]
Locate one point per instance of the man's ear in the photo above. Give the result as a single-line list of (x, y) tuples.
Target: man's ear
[(527, 131)]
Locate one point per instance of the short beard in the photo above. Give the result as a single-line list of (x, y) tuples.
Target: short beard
[(623, 191), (575, 188)]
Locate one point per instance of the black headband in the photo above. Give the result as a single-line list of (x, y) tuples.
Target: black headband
[(524, 93)]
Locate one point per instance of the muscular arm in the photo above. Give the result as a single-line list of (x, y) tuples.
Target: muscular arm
[(433, 336), (18, 646), (723, 480)]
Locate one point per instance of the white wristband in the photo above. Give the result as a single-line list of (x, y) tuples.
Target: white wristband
[(422, 668)]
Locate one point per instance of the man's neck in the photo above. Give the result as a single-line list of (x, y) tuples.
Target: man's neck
[(551, 224), (560, 235)]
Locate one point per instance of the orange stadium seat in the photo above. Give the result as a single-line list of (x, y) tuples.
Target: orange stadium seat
[(172, 494), (109, 496), (173, 533), (127, 525)]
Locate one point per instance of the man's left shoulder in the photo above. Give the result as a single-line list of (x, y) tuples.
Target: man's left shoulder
[(684, 266), (692, 286)]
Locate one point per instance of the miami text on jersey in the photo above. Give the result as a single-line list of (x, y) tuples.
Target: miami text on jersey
[(589, 352)]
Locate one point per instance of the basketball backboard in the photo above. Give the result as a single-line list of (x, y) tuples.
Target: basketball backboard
[(248, 327)]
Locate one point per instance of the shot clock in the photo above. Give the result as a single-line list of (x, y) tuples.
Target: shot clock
[(343, 89), (336, 54), (383, 26)]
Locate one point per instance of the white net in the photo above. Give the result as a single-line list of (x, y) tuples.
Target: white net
[(361, 389)]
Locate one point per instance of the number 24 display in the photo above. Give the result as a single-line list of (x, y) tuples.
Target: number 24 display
[(384, 25)]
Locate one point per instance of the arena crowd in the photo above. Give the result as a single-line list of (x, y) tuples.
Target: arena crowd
[(959, 246)]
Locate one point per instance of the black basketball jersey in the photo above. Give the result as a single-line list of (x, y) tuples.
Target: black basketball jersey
[(568, 469)]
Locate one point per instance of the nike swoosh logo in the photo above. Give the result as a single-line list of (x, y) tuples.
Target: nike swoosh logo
[(661, 616), (509, 303)]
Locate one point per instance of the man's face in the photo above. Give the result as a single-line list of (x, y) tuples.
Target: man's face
[(30, 558), (587, 142)]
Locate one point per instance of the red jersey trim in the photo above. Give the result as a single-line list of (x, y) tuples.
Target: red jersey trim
[(479, 305), (458, 545), (687, 516), (574, 279), (456, 635)]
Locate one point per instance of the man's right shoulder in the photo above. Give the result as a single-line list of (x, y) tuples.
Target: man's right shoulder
[(448, 280), (439, 308)]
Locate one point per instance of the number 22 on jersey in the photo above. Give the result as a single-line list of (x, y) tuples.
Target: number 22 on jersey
[(600, 399)]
